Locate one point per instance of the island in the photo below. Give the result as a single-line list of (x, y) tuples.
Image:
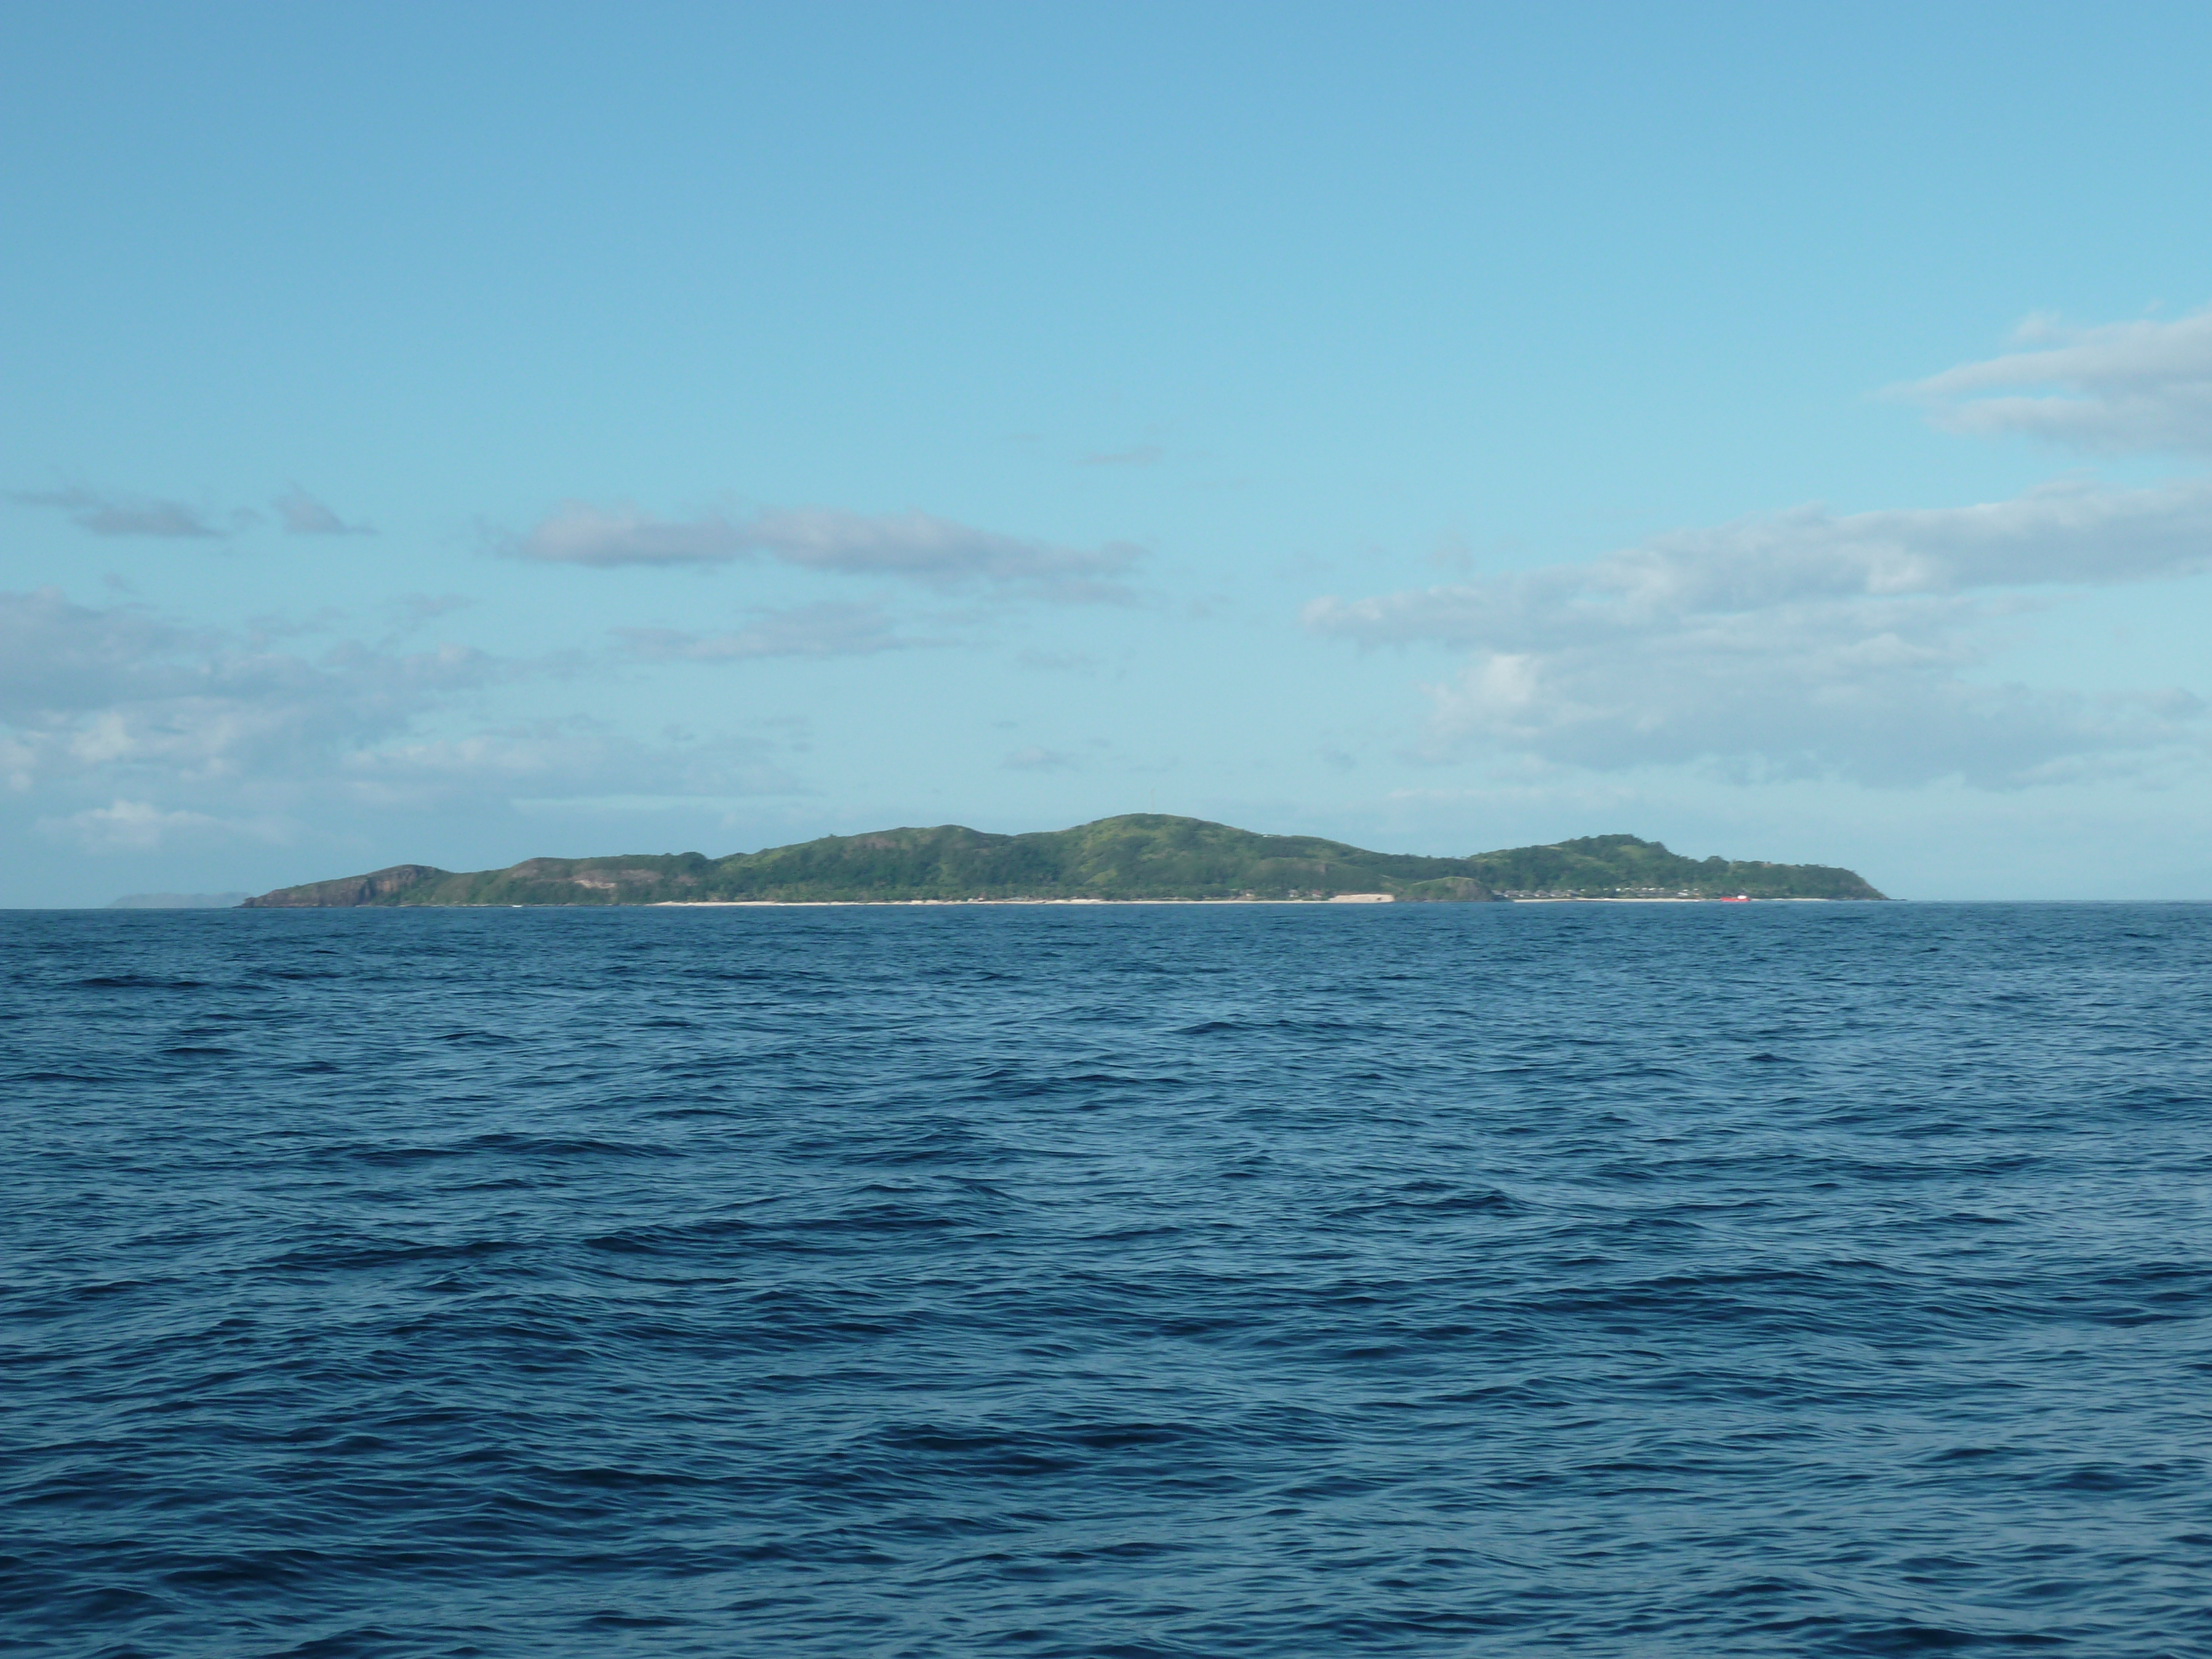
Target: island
[(1140, 857)]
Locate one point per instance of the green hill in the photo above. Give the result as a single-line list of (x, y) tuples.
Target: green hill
[(1621, 867), (1142, 855)]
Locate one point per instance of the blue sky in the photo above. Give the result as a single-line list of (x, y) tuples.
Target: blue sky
[(456, 435)]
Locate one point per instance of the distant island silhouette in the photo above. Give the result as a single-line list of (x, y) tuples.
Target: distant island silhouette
[(1141, 857)]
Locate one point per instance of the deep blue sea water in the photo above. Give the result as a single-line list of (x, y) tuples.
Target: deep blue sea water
[(1517, 1280)]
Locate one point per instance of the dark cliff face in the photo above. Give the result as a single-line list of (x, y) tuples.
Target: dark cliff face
[(347, 889)]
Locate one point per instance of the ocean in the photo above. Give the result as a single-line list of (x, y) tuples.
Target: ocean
[(1106, 1281)]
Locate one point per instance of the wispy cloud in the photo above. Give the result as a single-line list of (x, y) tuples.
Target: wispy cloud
[(139, 826), (573, 759), (301, 514), (578, 533), (1805, 642), (413, 610), (117, 513), (2115, 388), (1137, 455), (940, 553), (913, 546), (1058, 662), (812, 630), (87, 692), (2075, 530), (1034, 759), (107, 514), (130, 732)]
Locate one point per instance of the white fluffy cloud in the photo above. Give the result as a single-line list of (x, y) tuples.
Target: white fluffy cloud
[(914, 546), (2117, 388), (1805, 642)]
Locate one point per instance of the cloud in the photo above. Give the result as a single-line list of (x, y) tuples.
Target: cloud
[(1805, 642), (130, 732), (413, 610), (568, 760), (935, 551), (135, 826), (108, 513), (301, 514), (1040, 760), (1058, 662), (88, 693), (914, 546), (104, 513), (2122, 387), (1878, 700), (812, 630), (1139, 455), (58, 656), (578, 533)]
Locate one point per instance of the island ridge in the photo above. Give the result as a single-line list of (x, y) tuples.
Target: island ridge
[(1140, 856)]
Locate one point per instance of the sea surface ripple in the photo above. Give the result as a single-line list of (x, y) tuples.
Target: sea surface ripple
[(1321, 1280)]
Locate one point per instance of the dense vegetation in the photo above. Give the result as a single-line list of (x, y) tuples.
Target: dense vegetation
[(1621, 867), (1140, 856)]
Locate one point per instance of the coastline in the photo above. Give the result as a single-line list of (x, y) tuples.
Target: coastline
[(819, 905), (1338, 898)]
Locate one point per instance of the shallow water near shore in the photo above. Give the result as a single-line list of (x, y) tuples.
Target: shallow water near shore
[(1485, 1279)]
